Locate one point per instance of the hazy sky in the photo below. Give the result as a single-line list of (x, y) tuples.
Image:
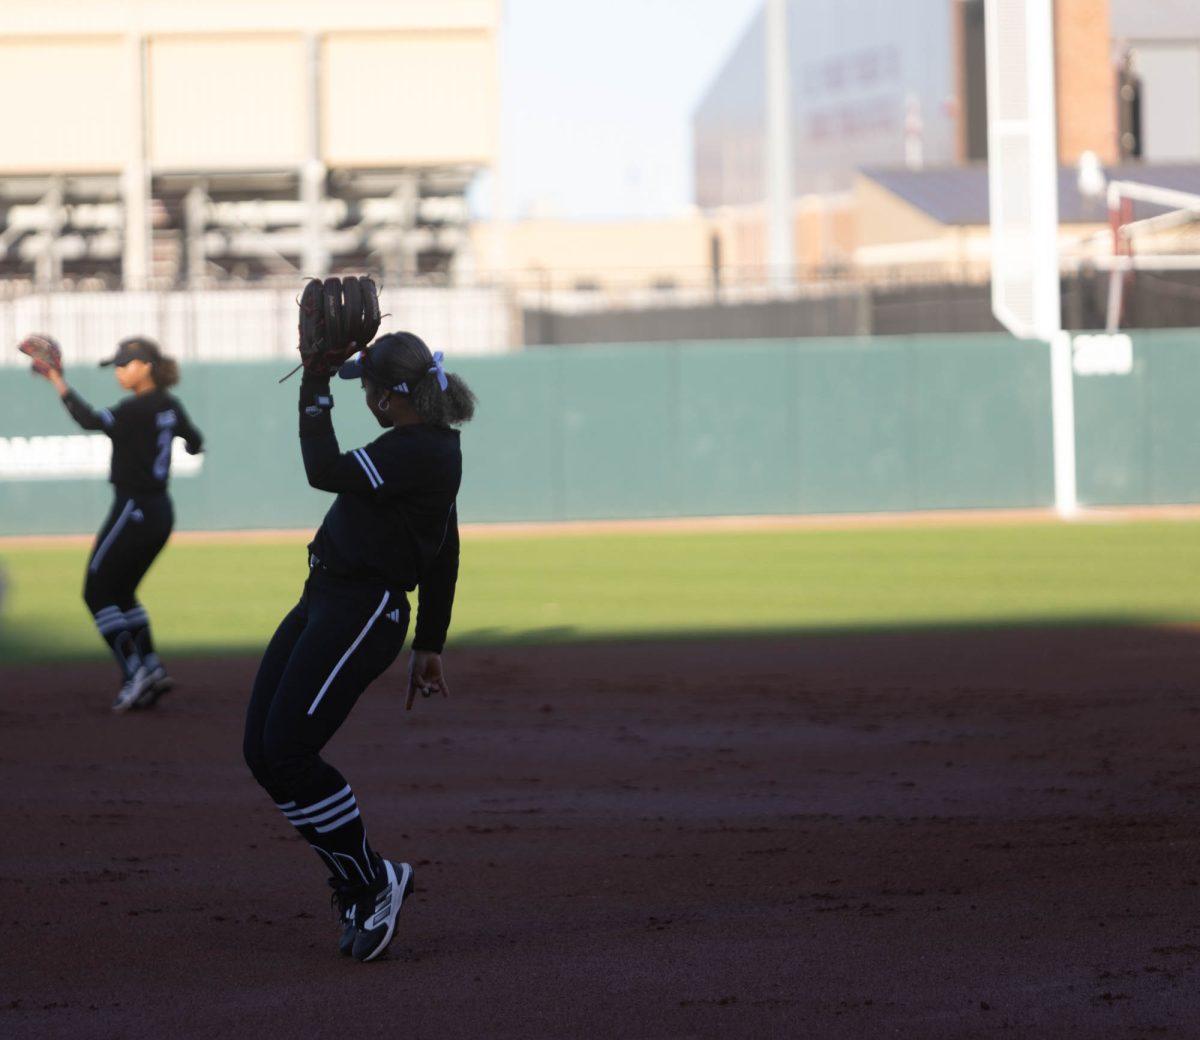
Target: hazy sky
[(597, 102)]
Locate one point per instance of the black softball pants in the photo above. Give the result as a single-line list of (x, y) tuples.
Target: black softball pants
[(332, 645), (134, 533)]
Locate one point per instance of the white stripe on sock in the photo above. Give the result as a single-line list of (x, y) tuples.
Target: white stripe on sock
[(326, 801), (338, 822), (303, 820)]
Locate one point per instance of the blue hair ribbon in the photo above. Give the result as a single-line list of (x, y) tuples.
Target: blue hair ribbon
[(438, 358)]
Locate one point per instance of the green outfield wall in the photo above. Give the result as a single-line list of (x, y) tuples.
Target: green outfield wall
[(1138, 433), (808, 426)]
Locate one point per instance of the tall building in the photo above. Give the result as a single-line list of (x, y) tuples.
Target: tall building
[(902, 83), (860, 71)]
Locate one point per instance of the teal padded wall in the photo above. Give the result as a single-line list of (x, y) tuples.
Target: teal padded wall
[(688, 429), (1138, 435)]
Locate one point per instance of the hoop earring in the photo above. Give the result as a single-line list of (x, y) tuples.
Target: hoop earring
[(385, 405)]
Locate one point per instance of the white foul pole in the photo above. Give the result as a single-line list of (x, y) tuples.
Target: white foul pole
[(1023, 187), (780, 248)]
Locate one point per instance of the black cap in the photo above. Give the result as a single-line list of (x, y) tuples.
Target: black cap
[(384, 361), (131, 350)]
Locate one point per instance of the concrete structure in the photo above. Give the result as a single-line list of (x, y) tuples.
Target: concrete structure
[(939, 219), (1160, 44), (725, 250), (166, 142)]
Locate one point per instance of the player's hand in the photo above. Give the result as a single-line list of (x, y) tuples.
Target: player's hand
[(55, 378), (425, 677)]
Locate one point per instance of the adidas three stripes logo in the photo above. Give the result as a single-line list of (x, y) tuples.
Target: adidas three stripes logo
[(326, 815)]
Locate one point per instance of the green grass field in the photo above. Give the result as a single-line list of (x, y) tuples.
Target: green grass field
[(210, 598)]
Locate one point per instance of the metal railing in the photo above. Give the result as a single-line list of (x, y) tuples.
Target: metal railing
[(243, 324)]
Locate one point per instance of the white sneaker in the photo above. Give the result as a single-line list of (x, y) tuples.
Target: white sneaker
[(158, 683), (134, 686)]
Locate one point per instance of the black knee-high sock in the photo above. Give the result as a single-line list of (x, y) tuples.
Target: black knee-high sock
[(110, 621), (138, 622), (333, 826)]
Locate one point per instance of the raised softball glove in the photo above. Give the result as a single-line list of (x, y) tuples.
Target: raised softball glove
[(338, 316), (44, 354)]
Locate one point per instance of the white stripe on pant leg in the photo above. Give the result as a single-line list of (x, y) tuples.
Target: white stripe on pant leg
[(108, 538), (346, 656)]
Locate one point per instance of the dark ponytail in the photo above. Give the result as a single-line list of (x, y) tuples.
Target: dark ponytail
[(449, 407), (403, 359), (163, 370)]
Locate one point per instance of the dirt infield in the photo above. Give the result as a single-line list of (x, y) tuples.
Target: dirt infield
[(903, 835)]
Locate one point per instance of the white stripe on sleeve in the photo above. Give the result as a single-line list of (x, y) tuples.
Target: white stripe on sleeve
[(371, 462), (361, 458)]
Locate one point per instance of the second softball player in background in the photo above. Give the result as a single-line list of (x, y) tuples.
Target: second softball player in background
[(142, 429)]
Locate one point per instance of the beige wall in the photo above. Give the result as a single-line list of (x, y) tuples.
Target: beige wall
[(86, 17), (414, 98), (226, 101), (559, 254), (403, 83), (55, 115), (628, 254), (884, 218)]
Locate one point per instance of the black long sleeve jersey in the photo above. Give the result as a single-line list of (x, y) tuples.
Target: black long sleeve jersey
[(394, 521), (142, 428)]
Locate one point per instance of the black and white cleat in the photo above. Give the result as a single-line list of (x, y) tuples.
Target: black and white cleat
[(376, 910)]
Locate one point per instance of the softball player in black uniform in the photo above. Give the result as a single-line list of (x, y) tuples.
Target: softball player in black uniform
[(143, 428), (393, 527)]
